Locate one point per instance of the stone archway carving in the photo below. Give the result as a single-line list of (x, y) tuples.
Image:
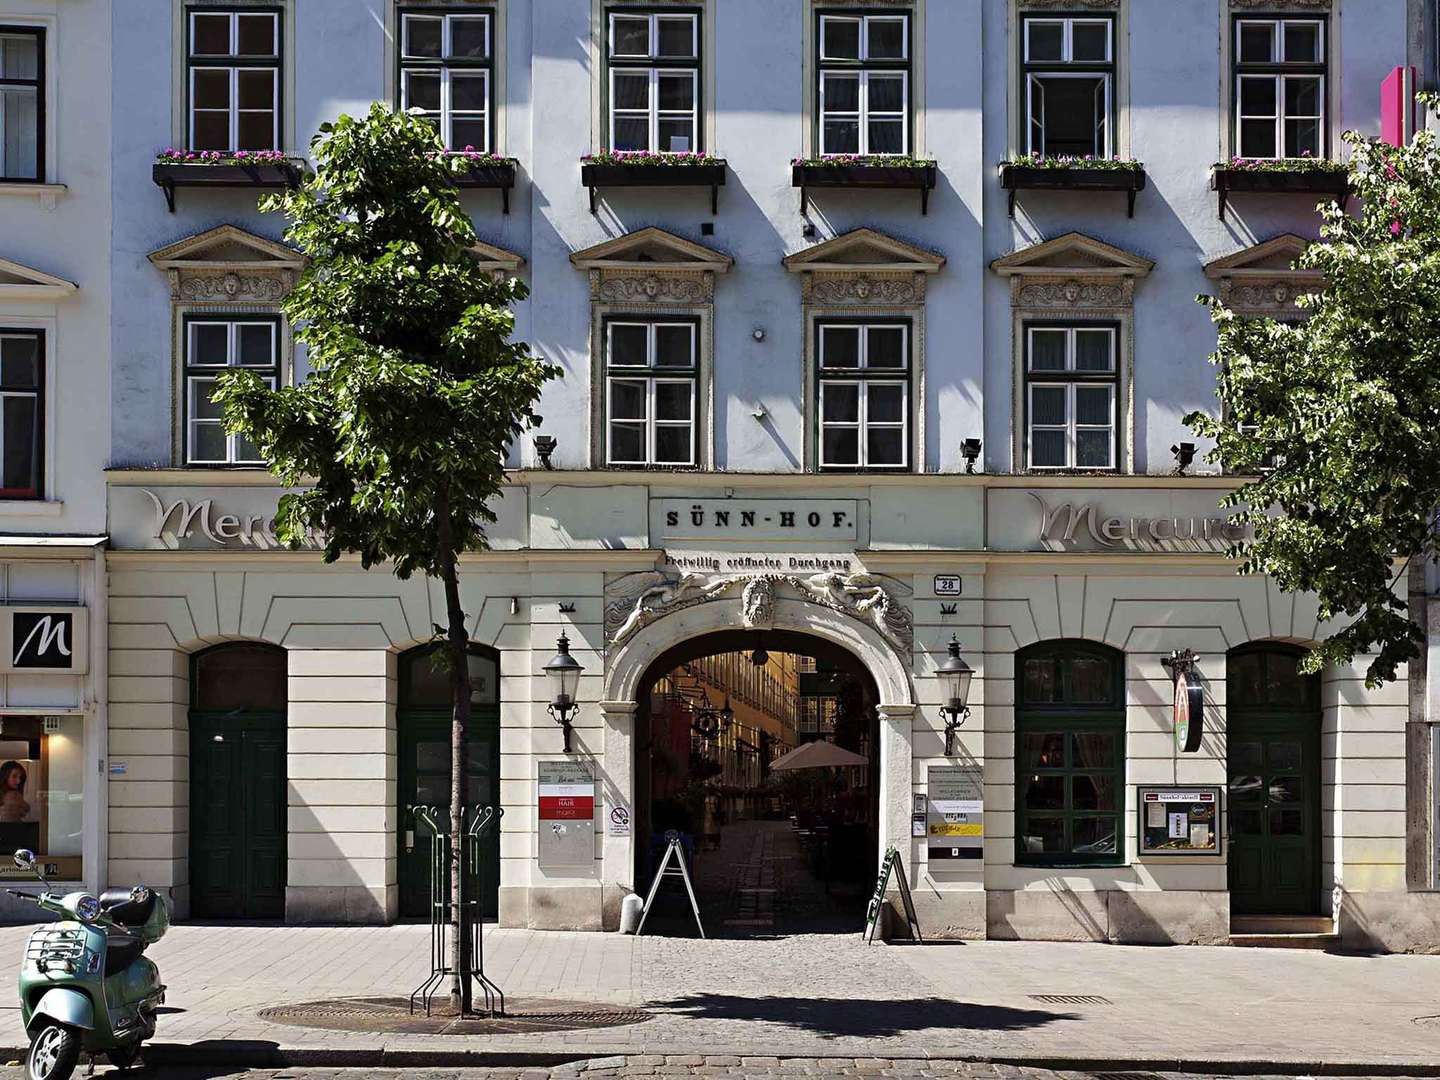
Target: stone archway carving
[(651, 611)]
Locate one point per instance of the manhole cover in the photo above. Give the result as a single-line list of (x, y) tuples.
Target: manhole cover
[(1070, 999), (522, 1015)]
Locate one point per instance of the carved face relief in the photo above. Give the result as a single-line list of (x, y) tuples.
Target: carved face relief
[(652, 286), (1072, 291)]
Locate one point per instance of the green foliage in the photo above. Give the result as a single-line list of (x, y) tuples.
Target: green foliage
[(1345, 405), (1074, 161), (417, 388), (1282, 165)]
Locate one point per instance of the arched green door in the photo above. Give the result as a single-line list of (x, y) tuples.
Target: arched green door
[(1273, 751), (423, 722), (237, 782)]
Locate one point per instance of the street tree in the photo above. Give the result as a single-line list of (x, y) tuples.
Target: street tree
[(1336, 416), (396, 441)]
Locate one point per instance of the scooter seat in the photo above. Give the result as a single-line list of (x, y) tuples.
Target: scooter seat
[(117, 904), (120, 953)]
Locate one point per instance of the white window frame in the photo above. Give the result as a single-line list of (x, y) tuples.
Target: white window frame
[(234, 69), (1105, 150), (197, 374), (1279, 26), (837, 376), (445, 67), (1052, 379), (652, 375), (40, 34), (1067, 39), (863, 75), (657, 67), (654, 114)]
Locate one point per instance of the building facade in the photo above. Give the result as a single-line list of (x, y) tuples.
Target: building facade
[(54, 433), (864, 404)]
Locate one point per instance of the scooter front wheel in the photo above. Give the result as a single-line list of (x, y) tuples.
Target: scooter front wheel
[(54, 1053)]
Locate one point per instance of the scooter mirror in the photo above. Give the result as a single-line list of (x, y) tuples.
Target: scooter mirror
[(25, 859)]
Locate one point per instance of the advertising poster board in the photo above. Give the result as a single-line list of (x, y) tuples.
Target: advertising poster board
[(567, 814), (955, 821), (1178, 820)]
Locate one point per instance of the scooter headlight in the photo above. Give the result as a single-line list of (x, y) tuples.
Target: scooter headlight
[(87, 908)]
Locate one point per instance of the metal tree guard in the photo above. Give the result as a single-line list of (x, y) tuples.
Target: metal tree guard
[(434, 821)]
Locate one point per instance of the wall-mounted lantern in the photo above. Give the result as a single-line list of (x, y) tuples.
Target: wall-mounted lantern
[(955, 676), (563, 671)]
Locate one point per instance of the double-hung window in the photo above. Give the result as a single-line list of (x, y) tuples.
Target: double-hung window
[(1071, 386), (232, 63), (22, 103), (446, 72), (22, 413), (653, 63), (864, 92), (214, 344), (1069, 91), (651, 374), (1279, 71), (863, 395)]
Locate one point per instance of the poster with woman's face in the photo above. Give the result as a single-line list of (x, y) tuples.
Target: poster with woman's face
[(19, 785)]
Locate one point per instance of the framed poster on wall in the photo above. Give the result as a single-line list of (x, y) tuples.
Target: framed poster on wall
[(1178, 820)]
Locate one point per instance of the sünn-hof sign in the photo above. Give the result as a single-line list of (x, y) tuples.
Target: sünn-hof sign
[(758, 519)]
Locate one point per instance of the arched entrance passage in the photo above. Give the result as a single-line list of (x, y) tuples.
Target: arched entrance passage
[(1273, 749), (422, 720), (238, 693), (771, 850)]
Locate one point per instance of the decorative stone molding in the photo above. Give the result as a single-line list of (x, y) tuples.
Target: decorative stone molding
[(1280, 5), (1072, 272), (864, 290), (1262, 282), (637, 600), (1077, 5), (1070, 293), (662, 287), (21, 282), (228, 265)]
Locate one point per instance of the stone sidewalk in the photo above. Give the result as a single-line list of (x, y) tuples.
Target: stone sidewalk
[(813, 996)]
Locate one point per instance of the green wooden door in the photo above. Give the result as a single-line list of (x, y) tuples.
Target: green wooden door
[(237, 815), (424, 738), (1274, 768)]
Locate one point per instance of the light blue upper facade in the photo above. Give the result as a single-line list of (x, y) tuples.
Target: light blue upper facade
[(1171, 84)]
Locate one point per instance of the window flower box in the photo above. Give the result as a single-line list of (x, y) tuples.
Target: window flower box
[(491, 172), (640, 168), (1073, 174), (858, 171), (1280, 176), (263, 169)]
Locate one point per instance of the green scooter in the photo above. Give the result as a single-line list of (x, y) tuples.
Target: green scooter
[(84, 983)]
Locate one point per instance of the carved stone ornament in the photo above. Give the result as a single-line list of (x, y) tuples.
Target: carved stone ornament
[(1264, 296), (1071, 293), (1280, 5), (637, 600), (233, 286), (878, 290), (654, 287)]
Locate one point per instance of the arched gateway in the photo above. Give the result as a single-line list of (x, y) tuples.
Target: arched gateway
[(651, 616)]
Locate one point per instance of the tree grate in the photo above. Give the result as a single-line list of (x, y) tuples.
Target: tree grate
[(1070, 999)]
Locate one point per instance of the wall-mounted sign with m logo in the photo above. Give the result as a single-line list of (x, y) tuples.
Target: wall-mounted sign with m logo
[(42, 639), (52, 639)]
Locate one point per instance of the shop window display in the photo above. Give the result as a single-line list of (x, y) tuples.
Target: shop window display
[(42, 776)]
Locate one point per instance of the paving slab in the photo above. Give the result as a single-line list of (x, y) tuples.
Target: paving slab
[(818, 997)]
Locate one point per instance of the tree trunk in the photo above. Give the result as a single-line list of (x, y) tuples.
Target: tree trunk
[(457, 644)]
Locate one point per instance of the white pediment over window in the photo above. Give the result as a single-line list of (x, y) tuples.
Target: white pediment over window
[(651, 247), (1072, 271), (227, 263), (21, 282), (1262, 280), (865, 268), (499, 261), (652, 266), (865, 249)]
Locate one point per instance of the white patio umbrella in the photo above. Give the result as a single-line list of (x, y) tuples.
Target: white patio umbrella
[(817, 755)]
